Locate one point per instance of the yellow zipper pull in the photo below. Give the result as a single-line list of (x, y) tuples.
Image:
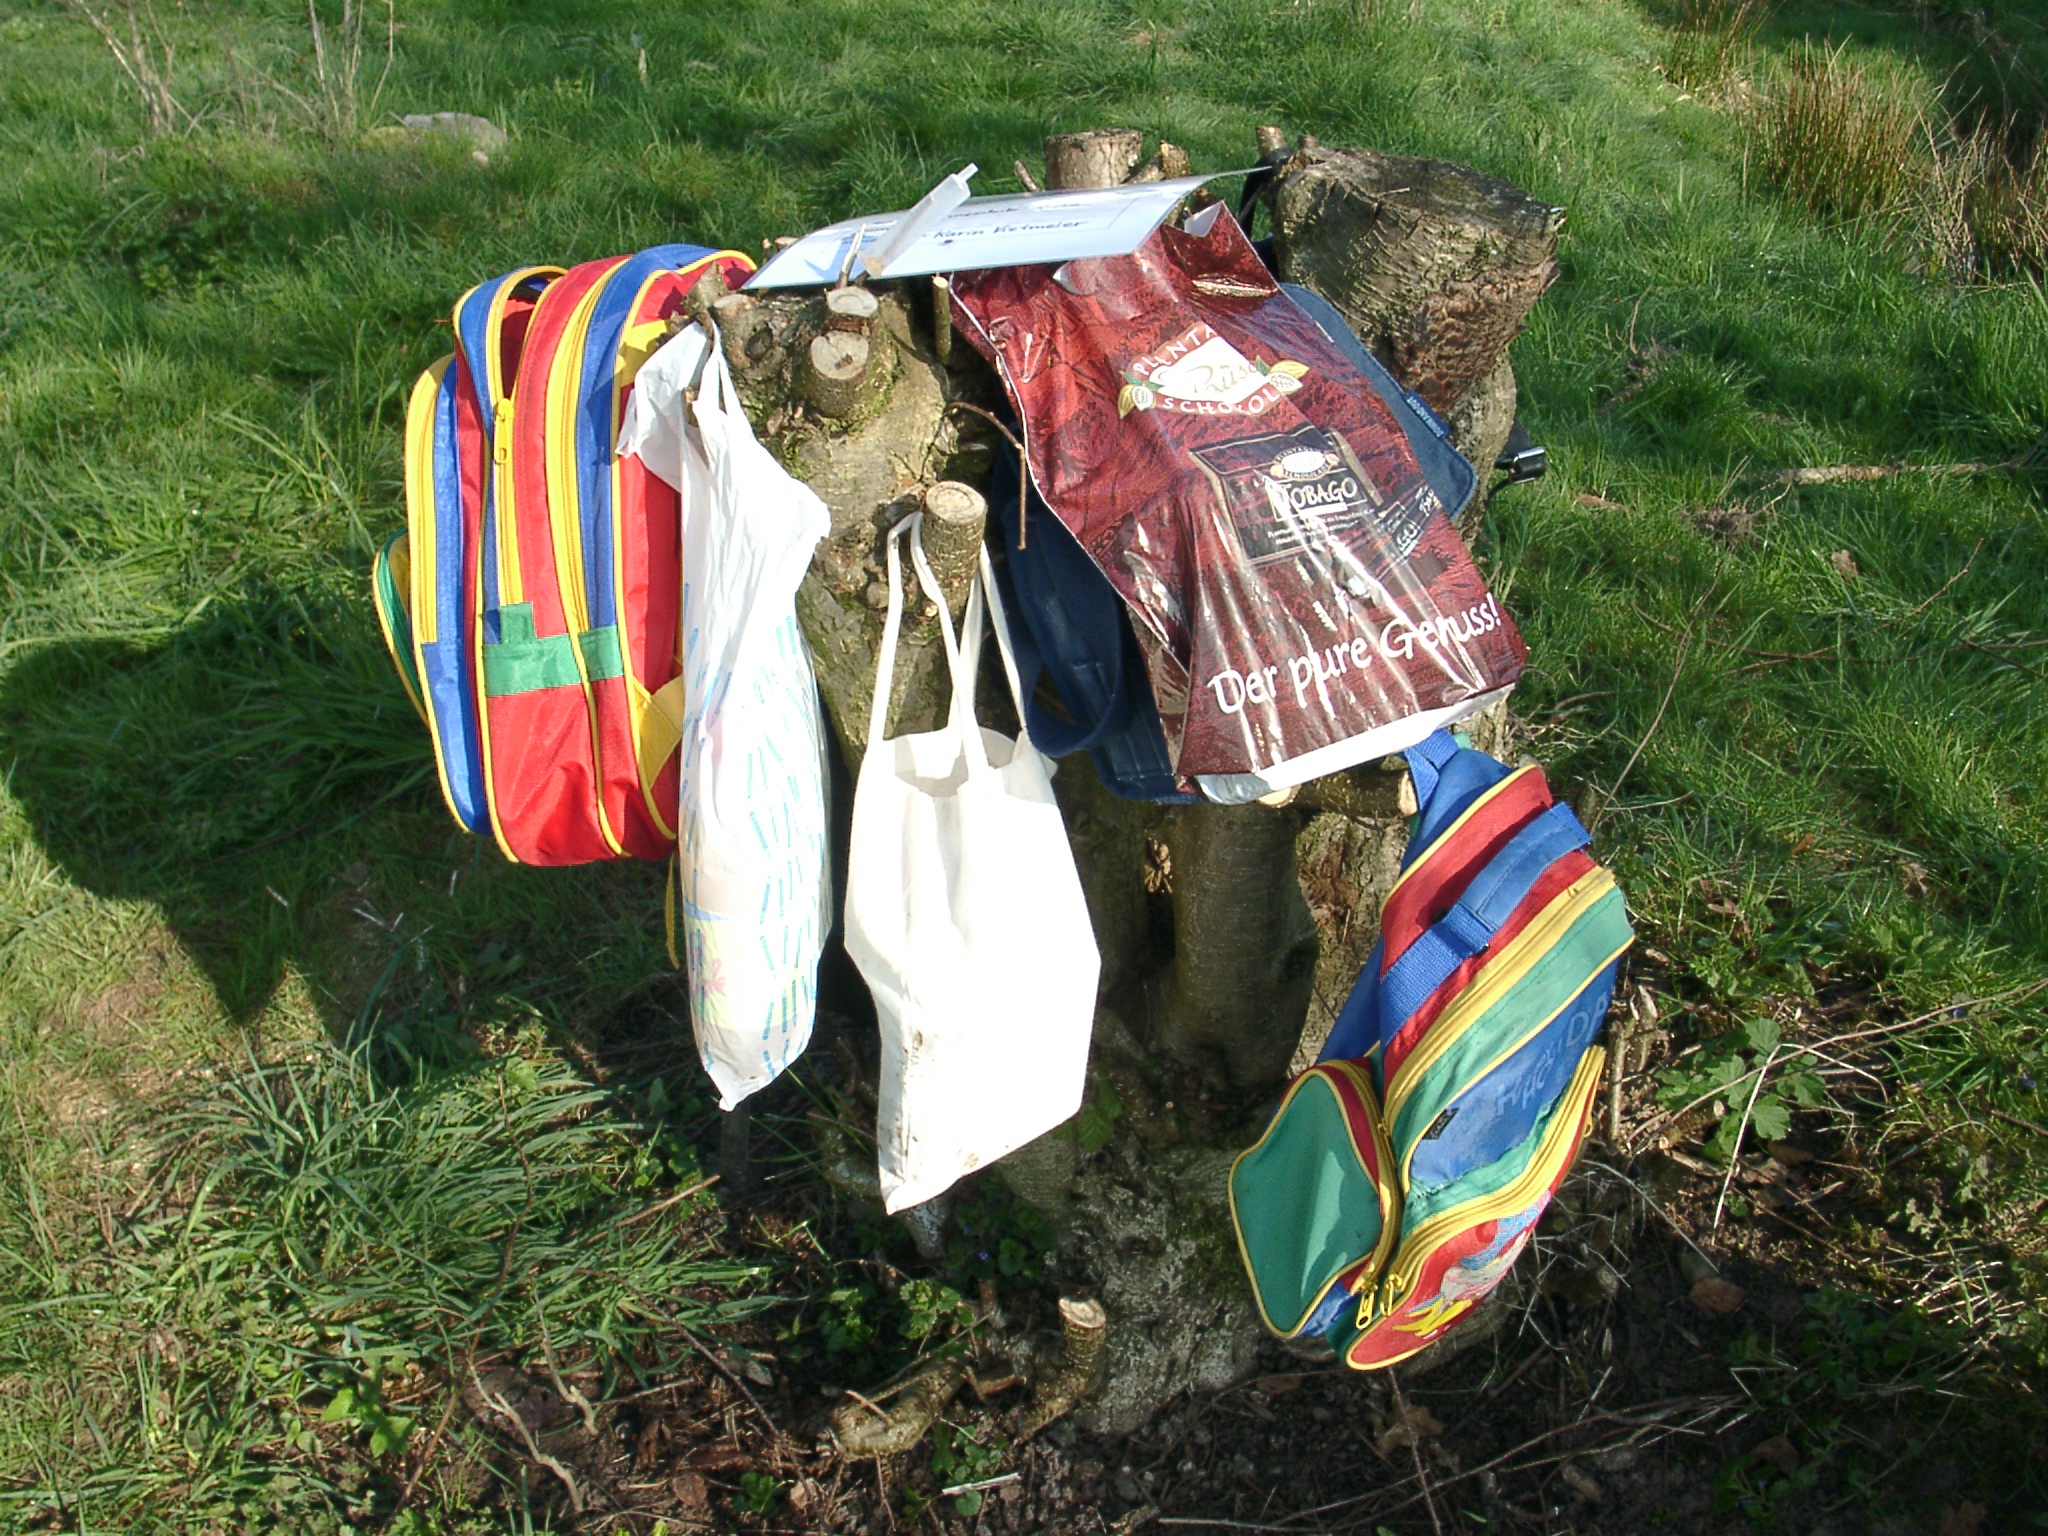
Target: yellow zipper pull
[(501, 433)]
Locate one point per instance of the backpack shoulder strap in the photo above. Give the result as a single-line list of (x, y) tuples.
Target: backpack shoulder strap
[(1469, 926)]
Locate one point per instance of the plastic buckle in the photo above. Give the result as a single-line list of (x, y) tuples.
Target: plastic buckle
[(1523, 458)]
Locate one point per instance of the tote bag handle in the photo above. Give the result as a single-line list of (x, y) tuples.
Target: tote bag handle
[(961, 714)]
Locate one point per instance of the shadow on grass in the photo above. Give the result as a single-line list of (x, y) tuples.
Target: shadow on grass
[(262, 781)]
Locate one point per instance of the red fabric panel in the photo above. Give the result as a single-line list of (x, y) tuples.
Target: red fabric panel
[(540, 755), (1553, 883), (1439, 878)]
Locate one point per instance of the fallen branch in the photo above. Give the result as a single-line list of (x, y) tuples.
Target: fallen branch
[(1834, 474), (506, 1410)]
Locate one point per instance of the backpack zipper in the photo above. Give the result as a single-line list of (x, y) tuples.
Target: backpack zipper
[(1559, 1138), (1494, 981)]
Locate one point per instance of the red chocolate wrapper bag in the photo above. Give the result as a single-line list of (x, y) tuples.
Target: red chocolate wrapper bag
[(1302, 599)]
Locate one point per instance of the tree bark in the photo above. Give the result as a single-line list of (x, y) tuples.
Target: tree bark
[(1435, 265)]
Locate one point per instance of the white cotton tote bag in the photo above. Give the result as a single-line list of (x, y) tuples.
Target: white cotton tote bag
[(965, 915), (751, 847)]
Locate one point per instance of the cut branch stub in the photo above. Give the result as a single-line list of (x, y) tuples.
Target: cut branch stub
[(1102, 157), (744, 335), (832, 372), (1168, 164), (1084, 1325), (942, 321), (705, 292), (851, 309), (846, 365), (954, 518), (1435, 265)]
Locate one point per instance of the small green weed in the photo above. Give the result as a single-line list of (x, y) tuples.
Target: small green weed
[(1728, 1075), (957, 1457), (758, 1494), (362, 1404)]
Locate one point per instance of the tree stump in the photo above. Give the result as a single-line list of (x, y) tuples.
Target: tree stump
[(1436, 266), (1207, 917)]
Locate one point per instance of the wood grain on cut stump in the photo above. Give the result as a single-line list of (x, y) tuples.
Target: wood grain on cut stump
[(1435, 265), (1102, 157), (954, 517)]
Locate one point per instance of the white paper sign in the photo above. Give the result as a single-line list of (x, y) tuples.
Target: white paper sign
[(1010, 231)]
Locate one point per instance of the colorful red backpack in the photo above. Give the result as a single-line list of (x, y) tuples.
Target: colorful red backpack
[(532, 602)]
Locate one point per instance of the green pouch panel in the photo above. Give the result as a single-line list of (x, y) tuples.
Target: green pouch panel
[(391, 585), (1312, 1200), (521, 662)]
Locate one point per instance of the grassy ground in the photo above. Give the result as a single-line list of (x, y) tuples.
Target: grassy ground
[(1811, 721)]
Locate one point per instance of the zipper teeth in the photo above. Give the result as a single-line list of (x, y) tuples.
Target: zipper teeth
[(506, 554), (1406, 1270), (419, 487), (1473, 1003), (1383, 1180)]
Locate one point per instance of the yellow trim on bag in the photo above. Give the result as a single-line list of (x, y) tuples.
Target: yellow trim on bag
[(1390, 1194), (565, 521), (420, 533), (1495, 979), (419, 489), (636, 346), (1405, 1272)]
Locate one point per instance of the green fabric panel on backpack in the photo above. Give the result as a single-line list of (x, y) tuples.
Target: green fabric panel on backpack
[(397, 616), (521, 662), (1557, 976), (1306, 1208), (602, 657)]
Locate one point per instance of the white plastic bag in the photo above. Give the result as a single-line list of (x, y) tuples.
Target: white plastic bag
[(755, 896), (965, 915)]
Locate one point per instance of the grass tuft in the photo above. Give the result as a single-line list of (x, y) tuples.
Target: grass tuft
[(316, 1240), (1711, 39), (1843, 134)]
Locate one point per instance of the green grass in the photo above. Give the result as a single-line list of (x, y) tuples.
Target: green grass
[(218, 834)]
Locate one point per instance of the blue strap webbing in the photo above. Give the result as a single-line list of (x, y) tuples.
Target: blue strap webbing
[(1469, 926), (1357, 1029), (1426, 760)]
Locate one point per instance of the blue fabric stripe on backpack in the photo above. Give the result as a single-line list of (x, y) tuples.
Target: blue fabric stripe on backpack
[(595, 434), (1357, 1030), (1499, 1111), (447, 665), (1469, 927)]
